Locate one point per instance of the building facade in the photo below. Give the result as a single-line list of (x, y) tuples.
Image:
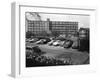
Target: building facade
[(64, 27), (61, 27)]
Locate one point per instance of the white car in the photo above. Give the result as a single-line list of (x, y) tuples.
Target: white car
[(41, 41), (56, 43)]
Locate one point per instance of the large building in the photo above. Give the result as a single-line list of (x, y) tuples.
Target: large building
[(61, 27)]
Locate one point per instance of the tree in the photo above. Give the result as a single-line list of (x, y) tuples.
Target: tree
[(43, 33), (55, 33), (29, 34)]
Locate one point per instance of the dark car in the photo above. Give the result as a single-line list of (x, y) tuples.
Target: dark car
[(68, 44), (43, 41), (47, 40)]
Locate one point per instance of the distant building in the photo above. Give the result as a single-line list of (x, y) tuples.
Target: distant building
[(84, 41), (37, 27), (84, 33), (62, 27)]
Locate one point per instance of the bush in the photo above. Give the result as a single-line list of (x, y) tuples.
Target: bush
[(33, 60)]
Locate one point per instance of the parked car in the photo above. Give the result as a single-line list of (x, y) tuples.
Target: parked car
[(46, 40), (33, 40), (51, 42), (75, 45), (68, 44), (41, 41), (56, 43), (61, 43)]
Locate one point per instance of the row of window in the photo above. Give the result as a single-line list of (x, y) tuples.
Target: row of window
[(64, 32), (60, 29), (65, 23), (56, 26), (66, 27), (37, 22), (52, 22)]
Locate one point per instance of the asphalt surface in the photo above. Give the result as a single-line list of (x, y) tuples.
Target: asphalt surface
[(77, 57)]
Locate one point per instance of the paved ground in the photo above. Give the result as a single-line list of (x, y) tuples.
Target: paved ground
[(77, 57)]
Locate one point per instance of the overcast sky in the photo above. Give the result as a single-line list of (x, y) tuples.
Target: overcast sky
[(83, 20)]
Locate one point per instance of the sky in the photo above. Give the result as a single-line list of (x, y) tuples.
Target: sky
[(83, 20)]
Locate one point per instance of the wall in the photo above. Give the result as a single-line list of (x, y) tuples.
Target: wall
[(5, 39)]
